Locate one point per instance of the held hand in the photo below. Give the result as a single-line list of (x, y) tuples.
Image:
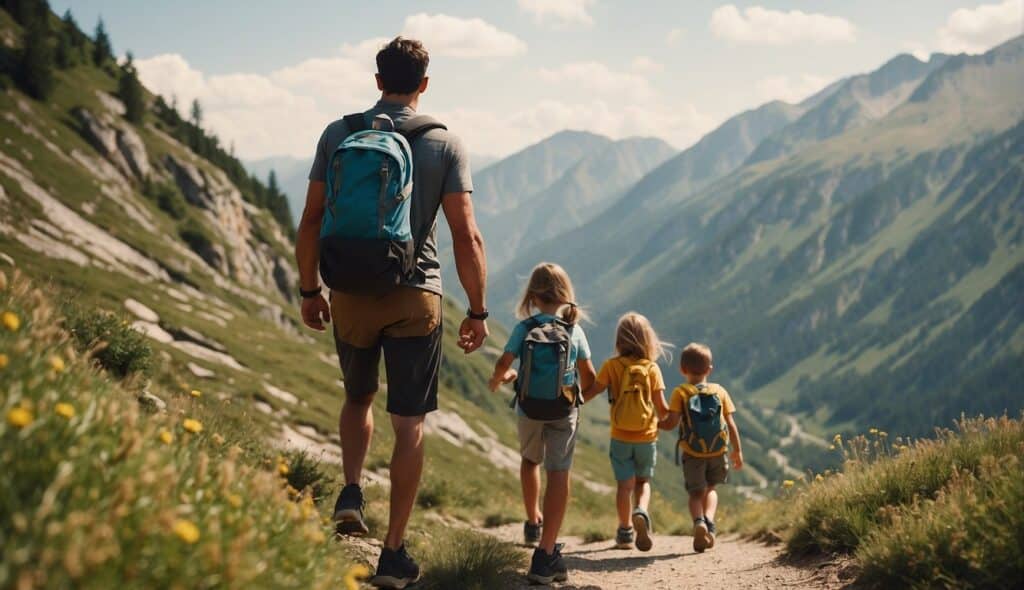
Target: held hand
[(316, 312), (507, 377), (472, 334), (737, 460)]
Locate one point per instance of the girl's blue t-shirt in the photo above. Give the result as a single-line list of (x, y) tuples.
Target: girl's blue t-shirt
[(580, 349)]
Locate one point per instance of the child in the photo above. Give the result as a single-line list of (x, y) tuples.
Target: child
[(554, 363), (706, 411), (636, 394)]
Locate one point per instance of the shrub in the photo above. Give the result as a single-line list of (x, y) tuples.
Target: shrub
[(305, 472), (197, 238), (113, 343), (168, 198), (499, 519), (595, 535), (470, 561)]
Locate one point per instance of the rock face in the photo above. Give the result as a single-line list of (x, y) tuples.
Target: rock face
[(118, 143)]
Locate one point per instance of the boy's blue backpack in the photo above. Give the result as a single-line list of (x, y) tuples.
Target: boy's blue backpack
[(544, 371), (367, 244), (702, 431)]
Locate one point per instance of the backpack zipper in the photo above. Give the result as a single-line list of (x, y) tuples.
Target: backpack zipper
[(385, 172)]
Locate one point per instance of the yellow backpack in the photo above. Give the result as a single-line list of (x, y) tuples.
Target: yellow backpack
[(632, 405)]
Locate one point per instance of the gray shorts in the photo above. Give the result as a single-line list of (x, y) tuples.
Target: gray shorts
[(550, 442), (702, 473)]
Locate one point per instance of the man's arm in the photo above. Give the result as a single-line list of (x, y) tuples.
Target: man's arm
[(670, 421), (734, 442), (471, 264), (595, 388), (315, 310)]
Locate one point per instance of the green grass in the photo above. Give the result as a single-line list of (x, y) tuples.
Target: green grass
[(934, 512), (470, 561)]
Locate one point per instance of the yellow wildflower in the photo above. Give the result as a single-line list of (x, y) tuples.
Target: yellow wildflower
[(788, 483), (282, 469), (882, 434), (186, 531), (217, 438), (316, 536), (818, 477), (57, 364), (195, 393), (235, 500), (3, 361), (19, 417), (166, 437), (831, 447), (837, 439), (192, 425), (11, 321), (64, 410), (354, 575), (872, 431)]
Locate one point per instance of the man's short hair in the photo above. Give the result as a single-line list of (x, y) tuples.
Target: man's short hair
[(695, 359), (402, 65)]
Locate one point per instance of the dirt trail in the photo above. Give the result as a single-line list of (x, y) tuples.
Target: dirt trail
[(733, 564)]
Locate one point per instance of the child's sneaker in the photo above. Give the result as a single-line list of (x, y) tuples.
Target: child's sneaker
[(396, 569), (545, 568), (700, 535), (711, 532), (624, 538), (531, 533), (642, 524)]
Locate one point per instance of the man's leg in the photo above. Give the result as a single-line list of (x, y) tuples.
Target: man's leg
[(710, 503), (355, 426), (624, 501), (406, 469), (697, 504), (529, 475), (556, 498)]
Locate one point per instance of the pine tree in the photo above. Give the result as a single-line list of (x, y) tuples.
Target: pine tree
[(101, 49), (197, 113), (65, 55), (36, 64), (272, 187), (129, 90)]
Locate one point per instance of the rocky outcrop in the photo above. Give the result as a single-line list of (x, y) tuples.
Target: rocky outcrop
[(118, 143), (190, 181)]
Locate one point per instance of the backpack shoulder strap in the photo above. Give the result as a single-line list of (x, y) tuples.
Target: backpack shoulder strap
[(414, 127), (355, 122)]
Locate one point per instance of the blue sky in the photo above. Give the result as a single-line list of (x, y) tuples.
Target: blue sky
[(505, 74)]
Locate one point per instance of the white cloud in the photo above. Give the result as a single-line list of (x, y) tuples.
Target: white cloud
[(791, 89), (558, 12), (645, 65), (452, 36), (978, 29), (674, 36), (598, 79), (763, 26)]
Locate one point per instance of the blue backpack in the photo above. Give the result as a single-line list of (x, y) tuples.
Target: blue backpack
[(546, 388), (367, 244), (702, 431)]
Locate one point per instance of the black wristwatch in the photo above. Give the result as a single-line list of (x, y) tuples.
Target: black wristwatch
[(483, 315), (310, 294)]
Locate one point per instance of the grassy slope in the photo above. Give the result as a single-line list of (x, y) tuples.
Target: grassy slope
[(273, 356)]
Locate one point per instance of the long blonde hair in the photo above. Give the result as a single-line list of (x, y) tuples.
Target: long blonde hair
[(550, 285), (635, 337)]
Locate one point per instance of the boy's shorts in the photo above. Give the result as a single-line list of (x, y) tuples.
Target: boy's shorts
[(404, 324), (701, 473), (551, 442), (633, 459)]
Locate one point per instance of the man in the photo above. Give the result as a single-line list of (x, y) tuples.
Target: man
[(405, 322)]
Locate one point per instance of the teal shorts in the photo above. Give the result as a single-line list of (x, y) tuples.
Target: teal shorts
[(633, 459)]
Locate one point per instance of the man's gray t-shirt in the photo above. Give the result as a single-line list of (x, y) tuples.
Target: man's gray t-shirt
[(440, 167)]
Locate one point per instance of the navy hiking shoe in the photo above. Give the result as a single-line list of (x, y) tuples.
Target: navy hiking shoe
[(348, 512), (531, 533), (624, 538), (642, 524), (700, 535), (396, 569), (546, 568)]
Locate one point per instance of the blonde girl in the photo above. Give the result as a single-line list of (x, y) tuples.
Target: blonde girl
[(636, 400), (555, 367)]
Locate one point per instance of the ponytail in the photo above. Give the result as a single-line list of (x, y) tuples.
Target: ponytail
[(571, 312)]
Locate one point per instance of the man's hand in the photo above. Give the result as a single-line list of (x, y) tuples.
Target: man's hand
[(507, 377), (737, 459), (472, 334), (316, 312)]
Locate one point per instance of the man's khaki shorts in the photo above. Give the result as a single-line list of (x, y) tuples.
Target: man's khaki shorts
[(702, 473), (406, 325), (551, 442)]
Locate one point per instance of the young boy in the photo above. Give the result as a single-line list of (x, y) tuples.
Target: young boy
[(706, 411)]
